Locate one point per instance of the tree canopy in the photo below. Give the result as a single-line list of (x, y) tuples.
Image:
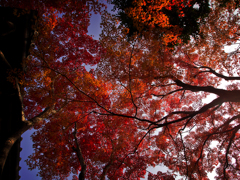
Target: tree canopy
[(167, 92), (145, 103)]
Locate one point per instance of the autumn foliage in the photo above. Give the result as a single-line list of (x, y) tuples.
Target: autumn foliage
[(144, 104), (167, 90), (171, 21)]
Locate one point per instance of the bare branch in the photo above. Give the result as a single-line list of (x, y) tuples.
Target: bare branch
[(210, 70), (163, 95), (126, 116)]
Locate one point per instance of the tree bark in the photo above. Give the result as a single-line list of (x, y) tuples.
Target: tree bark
[(9, 142)]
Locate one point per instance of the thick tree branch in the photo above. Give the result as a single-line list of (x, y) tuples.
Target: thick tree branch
[(26, 125), (192, 88), (210, 70)]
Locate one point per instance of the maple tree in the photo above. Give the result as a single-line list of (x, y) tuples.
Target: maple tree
[(76, 137), (58, 91), (144, 108), (57, 58), (165, 91)]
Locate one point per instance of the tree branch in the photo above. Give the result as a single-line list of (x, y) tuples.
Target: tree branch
[(79, 155), (130, 88), (191, 113), (210, 70), (26, 125), (208, 89), (163, 95), (228, 148)]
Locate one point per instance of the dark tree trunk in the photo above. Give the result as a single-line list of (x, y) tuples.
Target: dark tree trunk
[(15, 39)]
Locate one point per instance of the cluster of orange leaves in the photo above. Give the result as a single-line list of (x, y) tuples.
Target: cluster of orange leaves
[(148, 13)]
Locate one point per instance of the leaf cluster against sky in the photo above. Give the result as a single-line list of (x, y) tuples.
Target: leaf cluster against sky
[(142, 106)]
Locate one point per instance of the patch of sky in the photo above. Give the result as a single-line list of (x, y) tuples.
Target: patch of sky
[(232, 48), (196, 6), (157, 168)]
